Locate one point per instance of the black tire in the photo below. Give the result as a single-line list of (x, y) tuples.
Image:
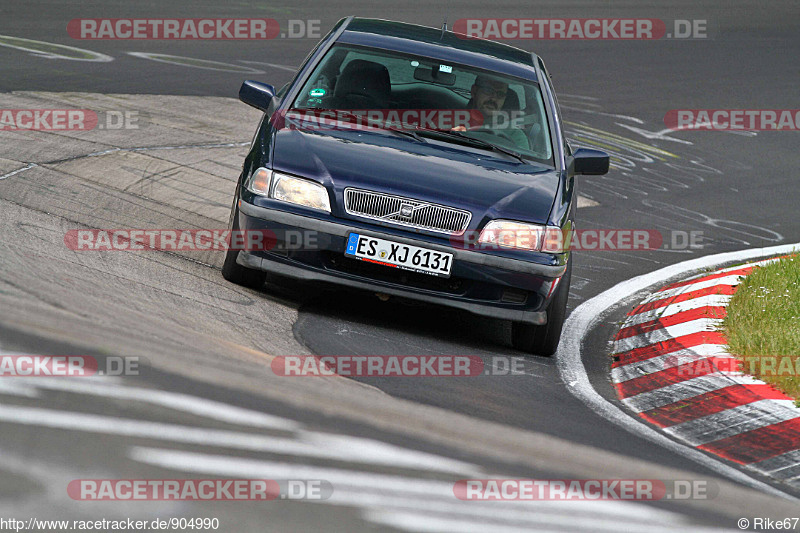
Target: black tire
[(543, 340), (234, 272)]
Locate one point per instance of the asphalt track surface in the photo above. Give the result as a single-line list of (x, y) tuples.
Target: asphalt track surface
[(206, 338)]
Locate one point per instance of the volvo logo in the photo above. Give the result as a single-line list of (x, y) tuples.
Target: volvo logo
[(406, 210)]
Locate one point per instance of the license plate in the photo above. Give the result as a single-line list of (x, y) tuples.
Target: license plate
[(398, 255)]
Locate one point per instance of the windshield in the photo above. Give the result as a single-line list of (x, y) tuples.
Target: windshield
[(422, 93)]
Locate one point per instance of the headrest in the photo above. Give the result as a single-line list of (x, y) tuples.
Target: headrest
[(366, 79)]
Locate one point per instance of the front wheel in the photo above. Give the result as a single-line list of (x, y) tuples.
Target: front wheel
[(233, 271), (543, 340)]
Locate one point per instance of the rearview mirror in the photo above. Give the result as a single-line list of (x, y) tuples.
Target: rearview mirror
[(440, 74), (257, 94), (591, 162)]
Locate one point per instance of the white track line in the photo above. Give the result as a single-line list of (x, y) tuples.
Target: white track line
[(591, 312), (109, 388), (428, 497), (307, 443)]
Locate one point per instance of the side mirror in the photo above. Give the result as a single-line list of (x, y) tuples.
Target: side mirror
[(256, 94), (590, 162)]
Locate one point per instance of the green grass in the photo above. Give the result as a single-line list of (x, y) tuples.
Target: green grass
[(763, 324)]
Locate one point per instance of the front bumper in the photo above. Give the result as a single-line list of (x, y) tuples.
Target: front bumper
[(481, 283)]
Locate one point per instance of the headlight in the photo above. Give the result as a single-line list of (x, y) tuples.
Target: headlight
[(300, 191), (522, 236), (289, 189)]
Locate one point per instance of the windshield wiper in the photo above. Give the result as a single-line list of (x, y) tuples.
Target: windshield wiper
[(476, 142), (404, 129)]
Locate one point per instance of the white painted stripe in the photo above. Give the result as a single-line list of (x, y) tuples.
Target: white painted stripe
[(687, 389), (17, 389), (14, 172), (361, 450), (16, 386), (109, 388), (707, 284), (621, 374), (387, 491), (206, 64), (50, 50), (378, 483), (351, 449), (699, 325), (731, 422), (787, 403), (715, 300)]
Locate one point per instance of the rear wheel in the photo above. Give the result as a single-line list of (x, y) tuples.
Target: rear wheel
[(233, 271), (543, 340)]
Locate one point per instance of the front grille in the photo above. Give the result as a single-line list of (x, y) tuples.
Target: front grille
[(406, 212)]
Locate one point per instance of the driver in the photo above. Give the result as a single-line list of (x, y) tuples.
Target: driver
[(488, 97)]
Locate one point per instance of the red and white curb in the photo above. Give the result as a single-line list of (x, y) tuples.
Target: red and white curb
[(671, 368)]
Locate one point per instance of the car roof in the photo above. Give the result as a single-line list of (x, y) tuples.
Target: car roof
[(432, 42)]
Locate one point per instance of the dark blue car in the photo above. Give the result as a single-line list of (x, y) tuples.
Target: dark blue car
[(412, 161)]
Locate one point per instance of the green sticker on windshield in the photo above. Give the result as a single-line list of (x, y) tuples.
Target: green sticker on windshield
[(316, 92)]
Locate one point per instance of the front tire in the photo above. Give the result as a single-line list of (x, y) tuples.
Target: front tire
[(233, 271), (543, 340)]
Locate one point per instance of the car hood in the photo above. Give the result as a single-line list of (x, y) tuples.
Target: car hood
[(489, 184)]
